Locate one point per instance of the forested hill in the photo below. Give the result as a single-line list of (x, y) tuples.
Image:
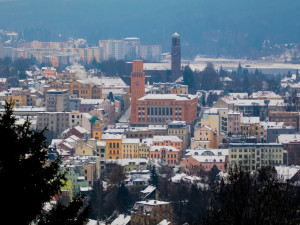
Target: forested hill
[(216, 27)]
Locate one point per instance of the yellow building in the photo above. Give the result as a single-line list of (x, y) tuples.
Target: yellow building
[(130, 148), (97, 130), (250, 126), (251, 156), (66, 77), (86, 147), (205, 137), (144, 148), (114, 145), (216, 118)]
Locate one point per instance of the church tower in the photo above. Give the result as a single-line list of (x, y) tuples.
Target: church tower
[(137, 87), (175, 57)]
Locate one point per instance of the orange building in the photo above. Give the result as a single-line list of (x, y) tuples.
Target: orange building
[(49, 72), (114, 145), (172, 141), (164, 108), (137, 87), (167, 153)]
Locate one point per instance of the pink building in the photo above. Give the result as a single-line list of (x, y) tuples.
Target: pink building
[(233, 123)]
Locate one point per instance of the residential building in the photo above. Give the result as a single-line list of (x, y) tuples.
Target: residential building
[(182, 130), (150, 53), (130, 148), (291, 143), (167, 88), (289, 118), (250, 126), (205, 137), (233, 124), (169, 154), (197, 160), (56, 122), (151, 212), (57, 100), (251, 156), (114, 145), (216, 118), (144, 148)]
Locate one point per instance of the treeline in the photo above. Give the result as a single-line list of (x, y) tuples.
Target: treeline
[(239, 198), (243, 80)]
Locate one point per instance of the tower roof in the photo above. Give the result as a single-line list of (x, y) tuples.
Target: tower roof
[(176, 35)]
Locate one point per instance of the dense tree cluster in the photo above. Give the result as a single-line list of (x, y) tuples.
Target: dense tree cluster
[(242, 80), (31, 179)]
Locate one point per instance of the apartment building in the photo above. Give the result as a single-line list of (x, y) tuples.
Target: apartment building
[(251, 156)]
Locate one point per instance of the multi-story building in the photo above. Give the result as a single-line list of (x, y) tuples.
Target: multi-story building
[(56, 122), (233, 124), (57, 100), (173, 141), (161, 109), (250, 126), (112, 49), (251, 156), (144, 147), (146, 132), (169, 154), (114, 145), (130, 148), (48, 72), (87, 55), (289, 118), (151, 212), (197, 160), (205, 137), (150, 52), (291, 143), (216, 118), (182, 130)]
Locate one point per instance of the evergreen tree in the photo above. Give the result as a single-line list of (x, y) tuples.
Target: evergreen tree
[(97, 199), (213, 174), (31, 178), (123, 199), (153, 177), (188, 77)]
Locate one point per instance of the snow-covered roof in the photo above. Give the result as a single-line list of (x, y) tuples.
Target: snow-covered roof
[(174, 97), (91, 101), (250, 120), (184, 177), (265, 94), (159, 148), (101, 143), (81, 130), (286, 172), (126, 162), (268, 125), (209, 158), (166, 138), (121, 220), (148, 189), (164, 222), (130, 141), (287, 138), (111, 136)]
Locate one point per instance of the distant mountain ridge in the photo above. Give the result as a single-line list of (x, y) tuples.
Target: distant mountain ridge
[(216, 27)]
